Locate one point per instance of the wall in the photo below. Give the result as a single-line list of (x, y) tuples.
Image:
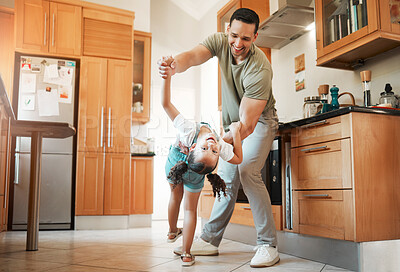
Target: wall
[(385, 69), (194, 92)]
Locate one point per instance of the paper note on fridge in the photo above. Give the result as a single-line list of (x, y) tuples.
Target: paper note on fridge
[(28, 102), (65, 94), (28, 83), (62, 76), (48, 103)]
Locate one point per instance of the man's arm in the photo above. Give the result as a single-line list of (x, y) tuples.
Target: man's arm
[(249, 112), (198, 55)]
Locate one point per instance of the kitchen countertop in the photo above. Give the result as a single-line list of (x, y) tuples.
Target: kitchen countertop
[(334, 113), (150, 154)]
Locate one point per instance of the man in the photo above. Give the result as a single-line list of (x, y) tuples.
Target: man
[(246, 97)]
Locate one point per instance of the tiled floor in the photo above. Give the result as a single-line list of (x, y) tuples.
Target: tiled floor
[(142, 249)]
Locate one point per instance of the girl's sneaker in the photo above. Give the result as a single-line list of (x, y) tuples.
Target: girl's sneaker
[(173, 236), (187, 259)]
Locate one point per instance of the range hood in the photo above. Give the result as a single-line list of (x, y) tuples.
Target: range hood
[(286, 24)]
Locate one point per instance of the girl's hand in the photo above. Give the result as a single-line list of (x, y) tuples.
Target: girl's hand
[(235, 127), (166, 66)]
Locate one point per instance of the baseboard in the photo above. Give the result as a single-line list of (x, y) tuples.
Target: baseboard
[(112, 222)]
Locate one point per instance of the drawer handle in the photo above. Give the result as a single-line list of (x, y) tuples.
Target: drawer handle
[(316, 124), (318, 148), (317, 195), (245, 208), (207, 194)]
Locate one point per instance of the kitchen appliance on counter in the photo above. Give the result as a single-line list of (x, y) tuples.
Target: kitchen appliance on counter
[(388, 98), (45, 90), (366, 85)]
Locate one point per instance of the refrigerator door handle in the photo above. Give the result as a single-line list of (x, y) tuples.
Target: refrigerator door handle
[(17, 150), (102, 127), (52, 33), (16, 175), (45, 28), (109, 126)]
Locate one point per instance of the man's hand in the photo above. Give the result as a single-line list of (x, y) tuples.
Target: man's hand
[(166, 66), (184, 149)]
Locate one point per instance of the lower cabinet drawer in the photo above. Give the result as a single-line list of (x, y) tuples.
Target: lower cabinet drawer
[(242, 213), (322, 166), (325, 213)]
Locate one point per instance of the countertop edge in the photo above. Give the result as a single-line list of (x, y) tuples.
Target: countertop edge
[(338, 112)]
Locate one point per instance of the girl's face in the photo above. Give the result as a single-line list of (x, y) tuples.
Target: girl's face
[(206, 149)]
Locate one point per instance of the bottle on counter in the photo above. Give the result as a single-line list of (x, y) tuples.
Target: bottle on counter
[(366, 85), (334, 94)]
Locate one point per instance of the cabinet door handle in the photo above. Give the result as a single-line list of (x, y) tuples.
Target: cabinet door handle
[(245, 208), (318, 148), (109, 127), (45, 28), (52, 31), (207, 194), (316, 124), (317, 195), (102, 127)]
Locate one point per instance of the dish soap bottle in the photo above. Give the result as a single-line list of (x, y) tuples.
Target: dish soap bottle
[(334, 94)]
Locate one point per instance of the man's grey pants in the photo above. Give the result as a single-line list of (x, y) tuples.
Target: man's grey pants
[(256, 148)]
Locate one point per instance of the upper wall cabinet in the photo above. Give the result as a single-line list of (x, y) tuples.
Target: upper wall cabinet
[(107, 34), (351, 31), (48, 27), (141, 77)]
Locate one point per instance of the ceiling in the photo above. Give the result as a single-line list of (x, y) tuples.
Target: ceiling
[(195, 8)]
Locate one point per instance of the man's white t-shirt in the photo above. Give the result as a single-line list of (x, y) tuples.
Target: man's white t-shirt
[(187, 132)]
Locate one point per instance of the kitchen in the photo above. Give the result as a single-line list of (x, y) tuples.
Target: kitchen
[(174, 38)]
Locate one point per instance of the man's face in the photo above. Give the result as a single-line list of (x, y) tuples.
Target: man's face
[(240, 37)]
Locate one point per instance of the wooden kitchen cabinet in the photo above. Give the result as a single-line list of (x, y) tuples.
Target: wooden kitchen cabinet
[(7, 48), (223, 16), (107, 32), (48, 27), (103, 164), (141, 185), (141, 77), (102, 184), (345, 177), (367, 29), (5, 135), (89, 183), (104, 105)]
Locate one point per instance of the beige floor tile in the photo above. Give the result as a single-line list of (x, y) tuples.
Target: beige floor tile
[(141, 249), (128, 261), (287, 263), (329, 268), (200, 265), (13, 265)]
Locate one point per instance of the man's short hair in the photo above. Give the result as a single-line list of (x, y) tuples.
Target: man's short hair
[(247, 16)]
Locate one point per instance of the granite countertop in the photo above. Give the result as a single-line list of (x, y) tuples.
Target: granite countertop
[(334, 113), (149, 154)]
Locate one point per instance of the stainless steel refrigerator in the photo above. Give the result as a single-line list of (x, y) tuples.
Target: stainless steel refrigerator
[(46, 91)]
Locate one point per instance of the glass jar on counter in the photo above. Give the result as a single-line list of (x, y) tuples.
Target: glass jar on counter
[(312, 105)]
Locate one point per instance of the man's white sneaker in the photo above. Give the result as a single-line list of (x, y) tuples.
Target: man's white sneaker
[(200, 248), (265, 256)]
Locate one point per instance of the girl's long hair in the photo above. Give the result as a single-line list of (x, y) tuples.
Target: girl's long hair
[(180, 168)]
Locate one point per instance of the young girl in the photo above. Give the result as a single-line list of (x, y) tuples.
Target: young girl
[(194, 155)]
